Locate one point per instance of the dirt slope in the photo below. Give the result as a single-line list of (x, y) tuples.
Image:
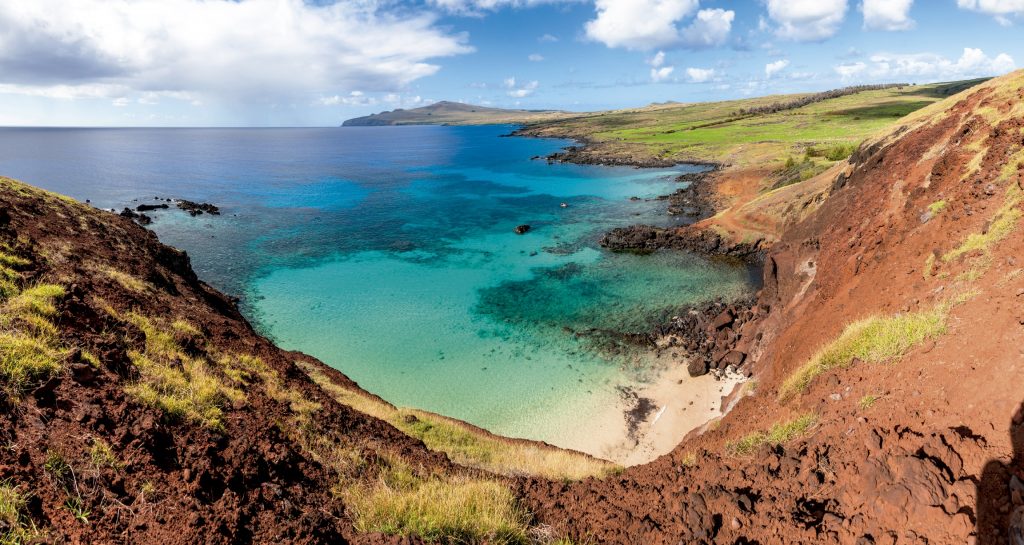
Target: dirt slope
[(92, 463), (910, 434)]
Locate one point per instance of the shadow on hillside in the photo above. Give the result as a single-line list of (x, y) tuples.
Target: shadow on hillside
[(1000, 493)]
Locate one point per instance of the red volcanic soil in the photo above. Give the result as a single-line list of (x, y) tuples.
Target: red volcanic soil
[(921, 448), (174, 481), (931, 459)]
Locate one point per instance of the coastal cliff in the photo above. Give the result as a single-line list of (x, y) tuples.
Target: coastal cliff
[(141, 407)]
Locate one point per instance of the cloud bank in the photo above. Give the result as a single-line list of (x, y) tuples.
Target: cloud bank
[(205, 49)]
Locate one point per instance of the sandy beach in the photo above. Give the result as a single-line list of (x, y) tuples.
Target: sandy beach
[(650, 419)]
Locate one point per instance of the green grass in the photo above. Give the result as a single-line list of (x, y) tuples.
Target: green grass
[(1003, 223), (712, 131), (101, 455), (468, 446), (868, 401), (447, 509), (779, 434), (182, 386), (937, 207), (30, 350), (874, 339), (15, 526)]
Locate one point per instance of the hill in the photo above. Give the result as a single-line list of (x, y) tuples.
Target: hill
[(885, 405), (452, 113)]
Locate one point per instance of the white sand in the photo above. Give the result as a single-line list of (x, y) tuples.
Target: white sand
[(683, 403)]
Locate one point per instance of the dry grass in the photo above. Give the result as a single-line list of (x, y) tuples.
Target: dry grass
[(1003, 223), (125, 280), (874, 339), (181, 385), (780, 433), (16, 528), (444, 508), (30, 347), (468, 446)]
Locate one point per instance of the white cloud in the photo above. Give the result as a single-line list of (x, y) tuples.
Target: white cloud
[(521, 90), (535, 57), (657, 60), (711, 27), (700, 75), (773, 68), (649, 24), (806, 20), (887, 14), (256, 51), (1001, 10), (479, 7), (929, 66), (661, 74), (547, 38), (851, 69), (659, 71)]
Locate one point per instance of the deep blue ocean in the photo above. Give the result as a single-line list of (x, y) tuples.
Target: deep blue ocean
[(389, 253)]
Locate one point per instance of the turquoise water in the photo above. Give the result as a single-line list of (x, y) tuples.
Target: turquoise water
[(389, 253)]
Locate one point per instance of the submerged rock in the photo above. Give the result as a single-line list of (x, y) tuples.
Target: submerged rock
[(522, 229)]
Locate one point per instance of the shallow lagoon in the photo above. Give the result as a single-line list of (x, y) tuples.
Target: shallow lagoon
[(389, 254)]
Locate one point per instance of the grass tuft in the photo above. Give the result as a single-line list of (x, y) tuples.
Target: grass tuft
[(937, 207), (874, 339), (30, 351), (1003, 223), (182, 386), (780, 433), (868, 401), (125, 280), (15, 526), (452, 509)]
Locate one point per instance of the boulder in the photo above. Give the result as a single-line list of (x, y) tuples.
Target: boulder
[(726, 317), (697, 367), (522, 229)]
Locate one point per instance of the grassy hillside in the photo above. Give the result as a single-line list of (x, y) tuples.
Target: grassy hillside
[(723, 132)]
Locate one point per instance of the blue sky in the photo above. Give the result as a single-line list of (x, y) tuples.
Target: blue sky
[(297, 63)]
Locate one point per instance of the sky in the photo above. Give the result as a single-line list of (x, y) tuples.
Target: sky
[(319, 62)]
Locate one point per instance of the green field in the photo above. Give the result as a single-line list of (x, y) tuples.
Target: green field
[(720, 131)]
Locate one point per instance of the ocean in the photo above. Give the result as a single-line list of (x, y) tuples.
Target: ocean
[(389, 253)]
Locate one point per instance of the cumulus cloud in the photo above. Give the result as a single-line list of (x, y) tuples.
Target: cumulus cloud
[(251, 50), (806, 20), (928, 66), (887, 14), (711, 27), (650, 24), (700, 75), (659, 71), (773, 68), (1001, 10), (850, 70), (479, 7), (517, 90)]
